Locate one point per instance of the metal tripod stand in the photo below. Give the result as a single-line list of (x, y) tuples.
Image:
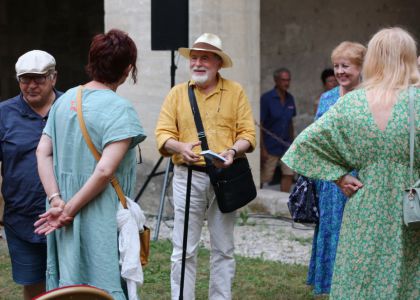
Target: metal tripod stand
[(168, 169)]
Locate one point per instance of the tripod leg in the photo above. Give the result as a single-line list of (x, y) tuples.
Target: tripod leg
[(185, 238), (162, 200), (149, 177)]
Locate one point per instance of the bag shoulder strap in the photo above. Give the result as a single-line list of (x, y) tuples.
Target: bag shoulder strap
[(92, 148), (82, 125), (197, 118), (412, 119), (198, 123)]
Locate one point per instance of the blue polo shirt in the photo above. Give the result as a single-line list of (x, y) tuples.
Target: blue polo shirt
[(24, 196), (277, 118)]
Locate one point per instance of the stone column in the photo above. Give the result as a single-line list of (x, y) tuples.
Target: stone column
[(237, 22)]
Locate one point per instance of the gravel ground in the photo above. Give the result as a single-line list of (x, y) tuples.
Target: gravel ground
[(261, 236)]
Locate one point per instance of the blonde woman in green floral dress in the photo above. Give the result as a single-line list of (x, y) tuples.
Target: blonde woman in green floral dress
[(367, 130)]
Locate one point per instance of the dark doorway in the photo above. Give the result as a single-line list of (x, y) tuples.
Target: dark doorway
[(62, 28)]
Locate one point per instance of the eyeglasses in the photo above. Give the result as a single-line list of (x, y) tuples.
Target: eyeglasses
[(38, 79)]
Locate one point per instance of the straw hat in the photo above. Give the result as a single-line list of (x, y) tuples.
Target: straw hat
[(211, 43)]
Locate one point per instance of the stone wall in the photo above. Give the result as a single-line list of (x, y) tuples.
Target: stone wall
[(236, 22), (300, 35), (62, 28), (259, 35)]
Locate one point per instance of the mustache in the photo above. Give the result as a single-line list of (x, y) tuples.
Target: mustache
[(199, 69)]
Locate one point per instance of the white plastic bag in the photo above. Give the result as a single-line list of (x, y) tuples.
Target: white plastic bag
[(130, 222)]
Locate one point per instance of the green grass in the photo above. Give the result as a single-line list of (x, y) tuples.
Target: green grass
[(8, 289), (255, 279)]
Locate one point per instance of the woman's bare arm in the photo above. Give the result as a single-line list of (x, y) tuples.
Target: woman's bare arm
[(60, 215)]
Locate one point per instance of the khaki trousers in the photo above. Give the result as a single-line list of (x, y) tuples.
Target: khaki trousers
[(221, 226)]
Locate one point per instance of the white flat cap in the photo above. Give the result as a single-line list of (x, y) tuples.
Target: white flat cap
[(35, 62)]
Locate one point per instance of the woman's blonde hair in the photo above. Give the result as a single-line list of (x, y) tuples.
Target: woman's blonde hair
[(352, 51), (391, 62)]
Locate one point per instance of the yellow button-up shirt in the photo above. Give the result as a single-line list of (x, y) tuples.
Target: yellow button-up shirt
[(225, 112)]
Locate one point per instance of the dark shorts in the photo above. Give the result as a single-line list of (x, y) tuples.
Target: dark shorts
[(28, 259)]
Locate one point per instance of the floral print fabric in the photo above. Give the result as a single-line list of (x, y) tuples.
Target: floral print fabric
[(331, 207), (377, 256)]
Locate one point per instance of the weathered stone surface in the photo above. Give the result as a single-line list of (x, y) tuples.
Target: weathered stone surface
[(301, 35), (271, 202), (237, 24)]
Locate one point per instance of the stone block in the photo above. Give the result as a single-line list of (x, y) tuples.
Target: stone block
[(270, 202)]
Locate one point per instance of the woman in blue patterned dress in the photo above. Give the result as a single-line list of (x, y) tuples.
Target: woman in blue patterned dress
[(347, 59)]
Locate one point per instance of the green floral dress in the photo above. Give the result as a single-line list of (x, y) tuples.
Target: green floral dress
[(378, 257)]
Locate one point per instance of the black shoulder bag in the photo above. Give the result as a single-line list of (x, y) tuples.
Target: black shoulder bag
[(234, 186)]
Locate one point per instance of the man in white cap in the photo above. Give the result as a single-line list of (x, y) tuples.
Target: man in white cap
[(229, 127), (22, 120)]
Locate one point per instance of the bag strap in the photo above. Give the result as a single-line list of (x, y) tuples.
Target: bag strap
[(412, 118), (92, 148), (198, 123)]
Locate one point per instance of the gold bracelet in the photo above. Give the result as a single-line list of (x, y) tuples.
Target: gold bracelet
[(50, 198)]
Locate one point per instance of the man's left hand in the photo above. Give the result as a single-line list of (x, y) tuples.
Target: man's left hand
[(229, 155)]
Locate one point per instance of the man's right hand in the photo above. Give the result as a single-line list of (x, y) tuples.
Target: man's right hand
[(187, 154), (184, 149)]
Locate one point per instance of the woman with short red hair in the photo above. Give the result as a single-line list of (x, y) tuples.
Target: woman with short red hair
[(81, 215)]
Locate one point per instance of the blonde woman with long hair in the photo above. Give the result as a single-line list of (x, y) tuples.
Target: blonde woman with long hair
[(367, 130)]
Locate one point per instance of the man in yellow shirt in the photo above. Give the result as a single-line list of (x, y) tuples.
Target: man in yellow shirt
[(229, 128)]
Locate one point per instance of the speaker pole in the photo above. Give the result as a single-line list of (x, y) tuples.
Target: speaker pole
[(173, 68)]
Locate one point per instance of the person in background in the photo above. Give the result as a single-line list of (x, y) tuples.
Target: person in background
[(367, 130), (81, 218), (229, 127), (277, 111), (328, 82), (347, 59), (22, 120)]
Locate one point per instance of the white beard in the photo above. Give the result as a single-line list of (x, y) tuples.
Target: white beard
[(200, 78)]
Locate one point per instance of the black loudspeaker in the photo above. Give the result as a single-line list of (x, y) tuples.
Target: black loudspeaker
[(169, 24)]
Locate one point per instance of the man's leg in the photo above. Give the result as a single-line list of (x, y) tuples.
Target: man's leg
[(28, 263), (286, 178), (30, 291), (222, 262), (286, 183), (196, 216), (268, 168)]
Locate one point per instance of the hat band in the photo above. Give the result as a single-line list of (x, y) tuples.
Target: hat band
[(205, 46)]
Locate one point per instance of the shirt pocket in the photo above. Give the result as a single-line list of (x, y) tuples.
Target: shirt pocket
[(187, 130), (224, 130)]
